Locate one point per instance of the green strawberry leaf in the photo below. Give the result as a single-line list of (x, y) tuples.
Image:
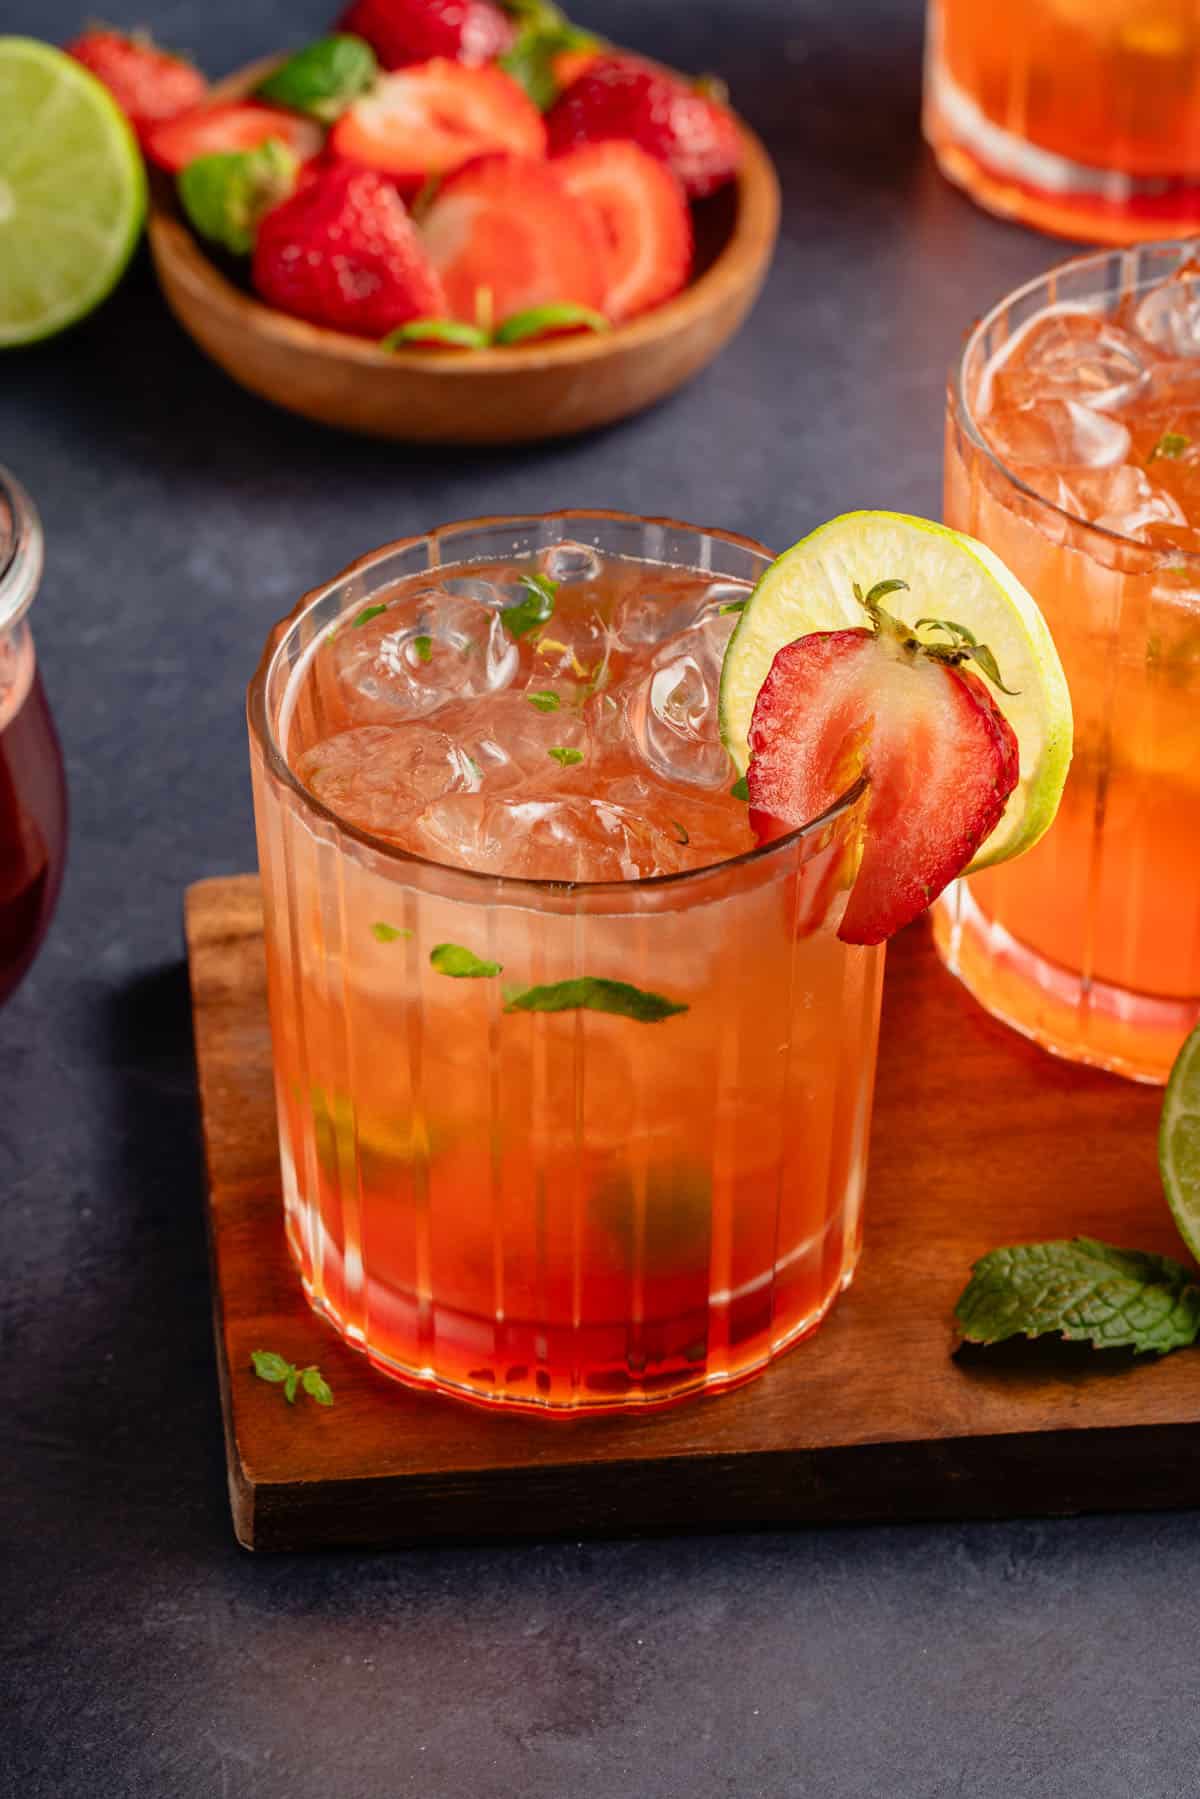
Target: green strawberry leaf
[(448, 333), (226, 194), (1084, 1291), (323, 78), (530, 62), (540, 321), (589, 993), (462, 964)]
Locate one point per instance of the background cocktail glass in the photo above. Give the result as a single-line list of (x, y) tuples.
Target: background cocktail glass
[(1091, 943), (558, 1210), (33, 793), (1081, 117)]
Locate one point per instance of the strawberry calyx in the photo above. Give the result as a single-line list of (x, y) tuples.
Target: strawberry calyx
[(963, 647)]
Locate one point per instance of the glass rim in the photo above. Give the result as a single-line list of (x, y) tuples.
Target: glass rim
[(964, 409), (22, 555), (263, 727)]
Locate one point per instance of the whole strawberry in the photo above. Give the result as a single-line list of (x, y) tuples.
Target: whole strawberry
[(148, 84), (618, 97), (343, 252), (404, 31)]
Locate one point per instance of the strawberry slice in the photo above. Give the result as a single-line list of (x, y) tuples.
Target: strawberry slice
[(646, 221), (436, 116), (940, 757), (506, 235), (148, 84), (241, 125)]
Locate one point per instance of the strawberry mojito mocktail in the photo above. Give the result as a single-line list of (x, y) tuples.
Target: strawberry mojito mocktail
[(1073, 450), (580, 837), (573, 1081)]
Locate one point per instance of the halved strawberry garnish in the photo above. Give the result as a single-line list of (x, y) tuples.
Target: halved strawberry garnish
[(239, 126), (148, 84), (645, 217), (619, 97), (433, 118), (406, 31), (939, 755), (505, 235)]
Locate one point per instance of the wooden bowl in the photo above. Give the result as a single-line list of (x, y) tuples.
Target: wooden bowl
[(500, 396)]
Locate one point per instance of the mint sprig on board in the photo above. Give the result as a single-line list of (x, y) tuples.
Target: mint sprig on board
[(270, 1366), (1083, 1291)]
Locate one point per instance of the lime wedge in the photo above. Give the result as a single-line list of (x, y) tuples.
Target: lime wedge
[(72, 191), (1179, 1142), (949, 576)]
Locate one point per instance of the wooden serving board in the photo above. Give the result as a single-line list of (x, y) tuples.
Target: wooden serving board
[(979, 1139)]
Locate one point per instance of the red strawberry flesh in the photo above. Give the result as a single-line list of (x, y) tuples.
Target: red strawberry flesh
[(645, 219), (940, 757), (342, 252), (618, 97), (148, 84), (508, 227), (242, 125), (433, 118), (406, 31)]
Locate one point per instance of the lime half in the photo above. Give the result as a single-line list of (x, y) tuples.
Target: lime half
[(72, 191), (1179, 1142), (948, 576)]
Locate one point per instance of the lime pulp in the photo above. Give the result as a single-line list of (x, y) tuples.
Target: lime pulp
[(1179, 1142)]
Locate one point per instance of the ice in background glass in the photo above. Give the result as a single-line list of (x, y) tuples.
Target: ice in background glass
[(1081, 117), (33, 794), (551, 1209), (1073, 451)]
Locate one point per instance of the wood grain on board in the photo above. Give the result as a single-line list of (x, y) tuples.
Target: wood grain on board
[(979, 1139)]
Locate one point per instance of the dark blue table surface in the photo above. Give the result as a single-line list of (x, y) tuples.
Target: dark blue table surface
[(143, 1653)]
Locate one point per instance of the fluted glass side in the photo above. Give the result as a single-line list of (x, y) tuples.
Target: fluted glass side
[(574, 1209), (1091, 943)]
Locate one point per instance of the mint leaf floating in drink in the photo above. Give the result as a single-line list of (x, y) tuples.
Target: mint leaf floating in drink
[(566, 758), (423, 648), (1170, 445), (534, 609), (462, 964), (450, 334), (366, 615), (550, 321), (731, 606), (544, 701), (1084, 1291), (280, 1372), (323, 78), (388, 933), (589, 993), (740, 790)]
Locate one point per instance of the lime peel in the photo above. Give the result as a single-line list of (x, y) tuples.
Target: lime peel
[(1179, 1142)]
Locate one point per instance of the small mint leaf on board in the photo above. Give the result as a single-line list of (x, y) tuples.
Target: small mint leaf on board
[(740, 790), (269, 1366), (316, 1386), (462, 964), (590, 993), (566, 758), (423, 647), (277, 1369), (366, 615), (534, 609), (1084, 1291), (544, 701), (388, 933)]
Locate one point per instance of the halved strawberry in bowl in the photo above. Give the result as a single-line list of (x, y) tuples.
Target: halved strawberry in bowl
[(621, 97), (236, 125), (148, 84), (429, 119), (645, 219), (505, 235)]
